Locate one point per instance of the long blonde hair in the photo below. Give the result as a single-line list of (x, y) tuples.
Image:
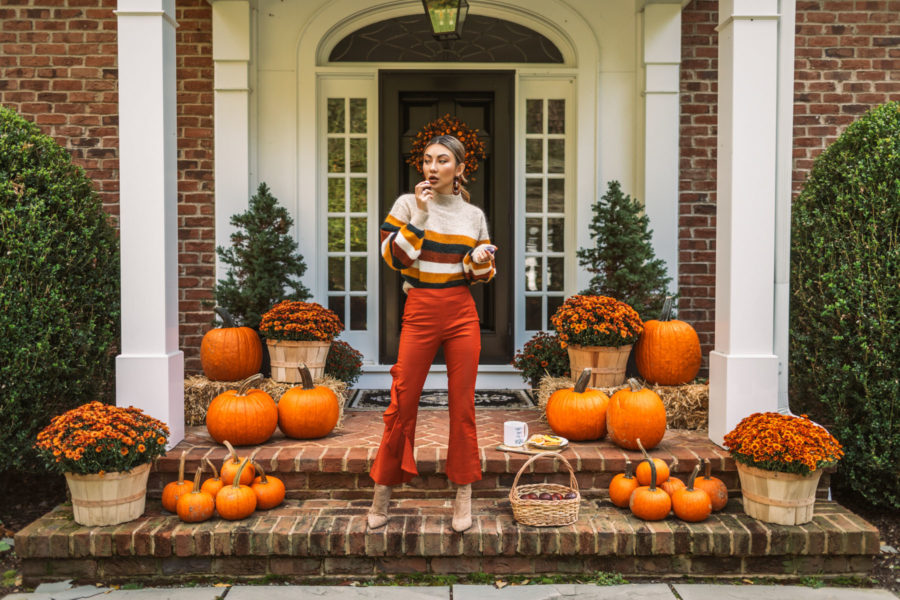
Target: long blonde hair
[(459, 153)]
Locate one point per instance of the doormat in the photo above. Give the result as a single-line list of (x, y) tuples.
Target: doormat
[(437, 399)]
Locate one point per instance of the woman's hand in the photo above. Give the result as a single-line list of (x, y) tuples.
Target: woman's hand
[(483, 253), (424, 194)]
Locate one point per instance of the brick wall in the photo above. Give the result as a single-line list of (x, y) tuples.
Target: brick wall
[(58, 68), (847, 60)]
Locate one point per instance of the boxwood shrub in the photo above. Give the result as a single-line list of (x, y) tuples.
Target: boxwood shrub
[(845, 304), (59, 289)]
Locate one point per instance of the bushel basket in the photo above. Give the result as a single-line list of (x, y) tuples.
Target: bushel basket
[(545, 513)]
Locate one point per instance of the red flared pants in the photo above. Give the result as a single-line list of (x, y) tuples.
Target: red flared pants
[(433, 318)]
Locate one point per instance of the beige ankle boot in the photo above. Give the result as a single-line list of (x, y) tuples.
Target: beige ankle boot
[(462, 508), (377, 516)]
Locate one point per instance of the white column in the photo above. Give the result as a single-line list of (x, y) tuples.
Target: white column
[(662, 60), (150, 368), (231, 57), (743, 369)]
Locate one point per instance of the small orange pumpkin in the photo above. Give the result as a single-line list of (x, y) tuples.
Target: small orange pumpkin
[(623, 485), (269, 490), (244, 416), (649, 502), (196, 505), (578, 413), (715, 487), (308, 411), (644, 468), (672, 485), (175, 489), (212, 485), (230, 467), (636, 412), (668, 351), (236, 501), (230, 353), (691, 504)]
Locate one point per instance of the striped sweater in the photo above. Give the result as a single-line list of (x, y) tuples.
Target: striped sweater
[(433, 248)]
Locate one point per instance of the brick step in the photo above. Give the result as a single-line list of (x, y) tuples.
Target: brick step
[(337, 466), (329, 538)]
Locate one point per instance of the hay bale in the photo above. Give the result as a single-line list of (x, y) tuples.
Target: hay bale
[(200, 391), (687, 406)]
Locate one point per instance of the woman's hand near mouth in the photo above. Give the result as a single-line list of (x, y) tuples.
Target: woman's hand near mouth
[(424, 194)]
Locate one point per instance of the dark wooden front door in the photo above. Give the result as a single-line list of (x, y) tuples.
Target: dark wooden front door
[(484, 101)]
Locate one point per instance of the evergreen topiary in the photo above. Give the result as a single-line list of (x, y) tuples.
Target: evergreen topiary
[(264, 265), (622, 261), (59, 289), (845, 304)]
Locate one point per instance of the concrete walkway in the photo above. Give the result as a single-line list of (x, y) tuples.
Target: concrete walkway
[(652, 591)]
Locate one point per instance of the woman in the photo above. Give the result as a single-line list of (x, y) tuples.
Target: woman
[(440, 244)]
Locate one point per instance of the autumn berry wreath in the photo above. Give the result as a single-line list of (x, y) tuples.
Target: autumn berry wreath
[(449, 125)]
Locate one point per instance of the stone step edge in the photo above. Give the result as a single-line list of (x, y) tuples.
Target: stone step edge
[(330, 528)]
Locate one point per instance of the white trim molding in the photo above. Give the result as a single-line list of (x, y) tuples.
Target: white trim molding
[(231, 59), (150, 368), (743, 369), (662, 112)]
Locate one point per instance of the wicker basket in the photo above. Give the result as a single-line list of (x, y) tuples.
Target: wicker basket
[(545, 513)]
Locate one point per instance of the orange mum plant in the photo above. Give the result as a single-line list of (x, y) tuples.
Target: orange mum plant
[(588, 320), (784, 443), (449, 125), (300, 322), (100, 438)]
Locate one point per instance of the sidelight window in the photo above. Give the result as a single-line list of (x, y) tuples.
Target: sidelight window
[(545, 208)]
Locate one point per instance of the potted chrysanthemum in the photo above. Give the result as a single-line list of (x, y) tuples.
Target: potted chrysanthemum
[(299, 333), (598, 332), (105, 452), (780, 459)]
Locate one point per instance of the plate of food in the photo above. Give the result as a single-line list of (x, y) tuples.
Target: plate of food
[(546, 441)]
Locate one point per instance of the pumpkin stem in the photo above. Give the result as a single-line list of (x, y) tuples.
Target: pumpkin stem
[(707, 470), (583, 379), (237, 477), (246, 383), (262, 474), (652, 473), (181, 467), (644, 452), (226, 316), (690, 482), (306, 377), (666, 313), (232, 451), (635, 385), (629, 469), (196, 489), (213, 467)]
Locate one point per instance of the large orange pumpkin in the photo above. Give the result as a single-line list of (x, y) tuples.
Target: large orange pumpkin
[(308, 411), (636, 413), (230, 353), (578, 413), (243, 416), (668, 351)]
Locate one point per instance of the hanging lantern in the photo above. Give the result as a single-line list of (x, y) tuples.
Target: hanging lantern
[(446, 17)]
